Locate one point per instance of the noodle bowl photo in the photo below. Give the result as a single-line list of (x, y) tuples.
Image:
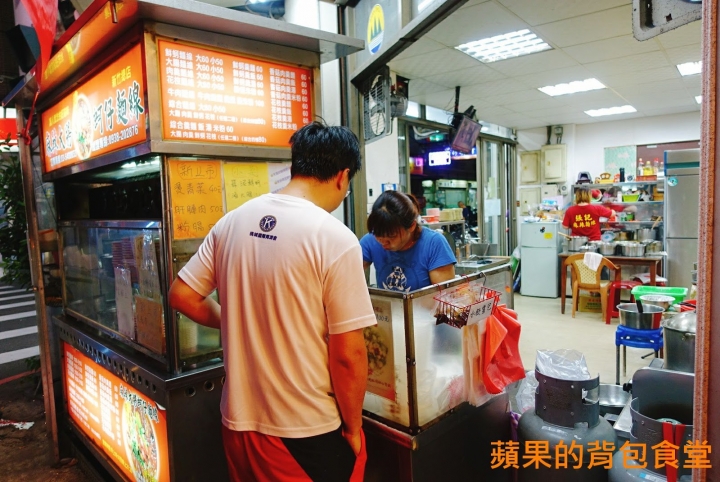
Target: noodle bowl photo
[(82, 127), (140, 443)]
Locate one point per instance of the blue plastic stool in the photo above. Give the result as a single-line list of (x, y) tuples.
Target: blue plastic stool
[(625, 336)]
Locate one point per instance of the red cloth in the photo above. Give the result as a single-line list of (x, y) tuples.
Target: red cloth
[(43, 15), (585, 220), (256, 457)]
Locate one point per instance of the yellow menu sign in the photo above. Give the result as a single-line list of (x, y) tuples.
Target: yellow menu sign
[(196, 197), (244, 181)]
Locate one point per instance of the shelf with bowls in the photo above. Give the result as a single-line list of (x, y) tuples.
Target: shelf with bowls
[(620, 184)]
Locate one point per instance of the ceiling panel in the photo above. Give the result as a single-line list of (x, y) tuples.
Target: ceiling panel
[(596, 99), (475, 23), (686, 53), (422, 87), (570, 109), (473, 75), (539, 62), (672, 110), (693, 83), (651, 88), (639, 77), (537, 12), (527, 95), (667, 99), (588, 28), (443, 99), (633, 63), (497, 87), (421, 46), (611, 48), (437, 62), (548, 104), (686, 35)]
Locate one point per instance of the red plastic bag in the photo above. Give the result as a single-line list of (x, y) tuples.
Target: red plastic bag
[(501, 360)]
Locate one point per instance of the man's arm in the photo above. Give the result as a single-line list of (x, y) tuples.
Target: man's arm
[(348, 372), (200, 309)]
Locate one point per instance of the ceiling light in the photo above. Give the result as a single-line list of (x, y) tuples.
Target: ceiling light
[(625, 109), (690, 68), (698, 99), (572, 87), (513, 44)]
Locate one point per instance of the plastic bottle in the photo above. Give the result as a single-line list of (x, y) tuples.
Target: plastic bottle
[(640, 167), (656, 166)]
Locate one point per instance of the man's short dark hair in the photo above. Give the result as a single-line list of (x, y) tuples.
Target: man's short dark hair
[(321, 151)]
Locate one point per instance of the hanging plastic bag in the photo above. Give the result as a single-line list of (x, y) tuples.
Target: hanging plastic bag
[(474, 390), (502, 363)]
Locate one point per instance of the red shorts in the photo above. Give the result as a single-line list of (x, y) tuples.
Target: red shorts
[(253, 456)]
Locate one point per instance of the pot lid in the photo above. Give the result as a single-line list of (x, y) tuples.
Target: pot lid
[(684, 322)]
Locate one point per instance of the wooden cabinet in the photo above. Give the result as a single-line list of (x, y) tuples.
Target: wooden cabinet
[(530, 167), (554, 163)]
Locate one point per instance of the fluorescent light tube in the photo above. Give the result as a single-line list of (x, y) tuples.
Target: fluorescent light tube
[(689, 68), (625, 109), (505, 46), (572, 87)]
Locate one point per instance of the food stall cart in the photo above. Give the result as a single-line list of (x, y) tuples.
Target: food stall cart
[(416, 424), (155, 119)]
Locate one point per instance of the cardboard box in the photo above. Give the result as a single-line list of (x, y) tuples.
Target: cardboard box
[(590, 303)]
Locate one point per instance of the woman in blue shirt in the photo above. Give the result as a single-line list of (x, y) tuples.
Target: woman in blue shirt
[(406, 256)]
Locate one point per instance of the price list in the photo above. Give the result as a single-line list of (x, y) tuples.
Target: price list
[(244, 181), (196, 197), (95, 401), (219, 98)]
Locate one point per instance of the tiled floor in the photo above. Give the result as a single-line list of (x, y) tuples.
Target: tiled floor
[(543, 327)]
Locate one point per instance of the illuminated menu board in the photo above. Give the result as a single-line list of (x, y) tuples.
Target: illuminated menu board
[(127, 426), (214, 97), (104, 114)]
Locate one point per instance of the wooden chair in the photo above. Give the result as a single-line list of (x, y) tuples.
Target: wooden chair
[(584, 278)]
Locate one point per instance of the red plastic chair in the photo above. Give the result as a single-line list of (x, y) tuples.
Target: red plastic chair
[(614, 297)]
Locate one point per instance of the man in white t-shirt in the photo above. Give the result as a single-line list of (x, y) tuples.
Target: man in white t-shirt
[(294, 300)]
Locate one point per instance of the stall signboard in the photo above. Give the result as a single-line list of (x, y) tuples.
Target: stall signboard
[(196, 197), (214, 97), (381, 356), (104, 114), (87, 41), (127, 426)]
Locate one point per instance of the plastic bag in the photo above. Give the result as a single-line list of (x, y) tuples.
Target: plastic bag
[(474, 390), (502, 363), (562, 364), (525, 396)]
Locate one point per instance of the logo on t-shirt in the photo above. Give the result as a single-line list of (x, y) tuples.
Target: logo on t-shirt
[(267, 223), (396, 280)]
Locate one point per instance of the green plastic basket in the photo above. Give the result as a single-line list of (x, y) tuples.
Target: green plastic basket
[(678, 293)]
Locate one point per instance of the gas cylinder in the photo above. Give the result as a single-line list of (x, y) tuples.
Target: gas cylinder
[(567, 426)]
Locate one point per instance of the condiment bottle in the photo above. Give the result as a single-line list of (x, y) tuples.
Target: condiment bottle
[(640, 167)]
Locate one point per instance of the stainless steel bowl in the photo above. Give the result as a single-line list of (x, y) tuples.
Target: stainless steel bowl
[(649, 319), (589, 248), (574, 243), (607, 249), (612, 398), (663, 301), (633, 250)]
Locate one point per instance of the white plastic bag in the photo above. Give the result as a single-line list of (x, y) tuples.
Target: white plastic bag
[(525, 396), (562, 364)]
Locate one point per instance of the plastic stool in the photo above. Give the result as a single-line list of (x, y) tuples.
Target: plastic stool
[(614, 297), (625, 336)]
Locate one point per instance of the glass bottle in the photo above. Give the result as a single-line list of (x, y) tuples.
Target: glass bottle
[(656, 166)]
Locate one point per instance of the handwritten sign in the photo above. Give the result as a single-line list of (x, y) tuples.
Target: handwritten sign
[(479, 312), (381, 356), (150, 324), (278, 175), (244, 181), (195, 197), (130, 428), (214, 97), (124, 302)]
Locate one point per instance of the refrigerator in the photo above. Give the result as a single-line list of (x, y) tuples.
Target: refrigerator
[(681, 214), (540, 265)]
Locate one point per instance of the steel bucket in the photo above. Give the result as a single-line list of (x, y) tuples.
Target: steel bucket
[(649, 319), (679, 342)]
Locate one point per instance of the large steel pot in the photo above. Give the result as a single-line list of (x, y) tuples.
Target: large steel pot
[(645, 234), (679, 342), (574, 243), (607, 249), (634, 250), (649, 319), (589, 248), (652, 246), (663, 301)]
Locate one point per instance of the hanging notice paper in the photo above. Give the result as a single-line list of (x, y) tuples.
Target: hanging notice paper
[(278, 175), (124, 302), (196, 197), (244, 181), (381, 358)]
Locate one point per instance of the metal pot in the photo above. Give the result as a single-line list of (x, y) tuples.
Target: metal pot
[(589, 248), (649, 319), (575, 242), (652, 246), (679, 342), (612, 399), (663, 301), (607, 249), (635, 250), (645, 234)]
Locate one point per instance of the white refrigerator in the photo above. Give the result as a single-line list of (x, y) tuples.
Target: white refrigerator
[(540, 265)]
